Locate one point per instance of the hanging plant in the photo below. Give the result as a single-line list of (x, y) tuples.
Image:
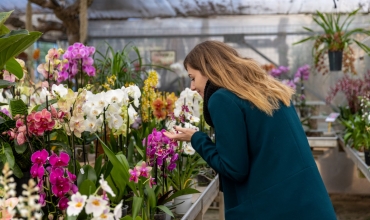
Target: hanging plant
[(335, 41)]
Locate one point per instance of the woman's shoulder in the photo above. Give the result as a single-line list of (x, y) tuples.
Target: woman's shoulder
[(227, 97)]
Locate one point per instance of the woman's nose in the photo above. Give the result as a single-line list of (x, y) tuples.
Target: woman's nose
[(192, 87)]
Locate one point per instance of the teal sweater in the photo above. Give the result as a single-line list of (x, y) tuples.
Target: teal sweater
[(265, 164)]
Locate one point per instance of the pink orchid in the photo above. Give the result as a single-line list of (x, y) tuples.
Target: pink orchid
[(56, 174), (8, 76), (61, 187), (134, 175), (63, 203), (21, 139), (151, 182), (37, 171), (144, 169), (42, 200), (40, 122), (40, 157), (60, 161)]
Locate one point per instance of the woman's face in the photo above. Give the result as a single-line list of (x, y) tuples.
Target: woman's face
[(198, 81)]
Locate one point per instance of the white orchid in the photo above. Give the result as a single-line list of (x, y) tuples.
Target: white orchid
[(188, 149), (114, 121), (115, 96), (95, 205), (104, 185), (170, 125), (59, 90), (118, 211), (99, 100), (104, 215), (132, 114), (114, 109), (76, 204), (92, 124), (135, 93)]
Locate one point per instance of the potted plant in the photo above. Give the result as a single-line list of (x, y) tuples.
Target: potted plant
[(336, 40)]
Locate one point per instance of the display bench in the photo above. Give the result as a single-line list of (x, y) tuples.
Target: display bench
[(358, 160), (204, 201)]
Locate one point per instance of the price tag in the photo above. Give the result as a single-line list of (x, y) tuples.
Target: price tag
[(82, 171), (332, 117)]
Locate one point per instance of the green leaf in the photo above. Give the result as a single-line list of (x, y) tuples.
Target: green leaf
[(89, 173), (97, 165), (17, 106), (4, 16), (5, 83), (17, 171), (9, 154), (2, 103), (71, 217), (165, 209), (43, 105), (121, 164), (136, 205), (16, 42), (308, 29), (14, 67), (20, 149), (127, 217), (87, 187), (182, 192), (151, 196), (3, 30)]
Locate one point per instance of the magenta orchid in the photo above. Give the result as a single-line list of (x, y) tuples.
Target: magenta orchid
[(58, 177), (60, 161), (40, 157), (160, 149)]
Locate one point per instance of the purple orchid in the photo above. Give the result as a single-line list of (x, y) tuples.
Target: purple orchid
[(61, 187), (39, 157), (42, 200), (76, 55), (56, 174), (60, 161), (37, 171), (63, 203)]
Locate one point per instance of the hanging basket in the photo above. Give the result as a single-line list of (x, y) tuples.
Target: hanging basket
[(335, 60)]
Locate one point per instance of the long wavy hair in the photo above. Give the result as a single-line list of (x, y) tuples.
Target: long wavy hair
[(225, 68)]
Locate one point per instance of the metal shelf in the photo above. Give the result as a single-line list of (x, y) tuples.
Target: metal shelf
[(323, 142), (204, 201), (357, 160)]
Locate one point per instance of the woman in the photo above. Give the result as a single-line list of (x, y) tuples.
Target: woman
[(261, 152)]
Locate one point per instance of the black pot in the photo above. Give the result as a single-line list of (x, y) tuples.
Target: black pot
[(335, 60), (124, 210), (202, 180), (367, 157), (160, 216)]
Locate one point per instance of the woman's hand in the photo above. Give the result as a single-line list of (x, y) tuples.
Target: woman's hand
[(183, 135)]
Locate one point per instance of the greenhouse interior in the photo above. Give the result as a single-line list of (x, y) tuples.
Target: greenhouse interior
[(185, 109)]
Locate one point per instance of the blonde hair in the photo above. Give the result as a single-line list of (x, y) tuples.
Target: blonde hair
[(244, 77)]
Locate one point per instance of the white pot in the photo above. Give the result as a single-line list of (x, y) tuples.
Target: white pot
[(185, 205), (168, 205)]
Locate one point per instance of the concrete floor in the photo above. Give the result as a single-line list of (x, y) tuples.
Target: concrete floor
[(347, 207)]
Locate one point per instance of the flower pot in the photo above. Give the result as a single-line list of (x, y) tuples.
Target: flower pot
[(335, 60), (202, 180), (183, 203), (169, 206), (160, 216), (124, 210), (80, 152), (367, 157)]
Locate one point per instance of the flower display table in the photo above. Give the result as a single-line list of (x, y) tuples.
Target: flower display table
[(357, 159)]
